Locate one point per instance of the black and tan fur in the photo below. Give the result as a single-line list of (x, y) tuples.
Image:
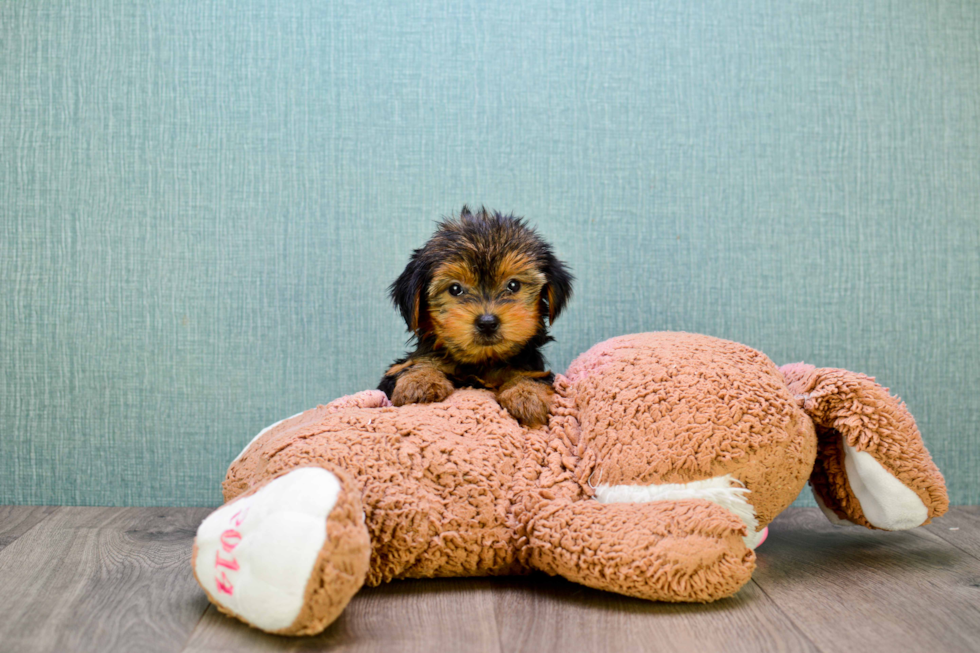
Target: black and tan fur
[(478, 298)]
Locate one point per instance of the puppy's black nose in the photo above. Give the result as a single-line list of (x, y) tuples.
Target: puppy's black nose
[(487, 324)]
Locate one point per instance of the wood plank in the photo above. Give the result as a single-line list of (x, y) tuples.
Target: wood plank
[(102, 579), (536, 613), (414, 615), (961, 528), (17, 520), (542, 613), (853, 589), (106, 579)]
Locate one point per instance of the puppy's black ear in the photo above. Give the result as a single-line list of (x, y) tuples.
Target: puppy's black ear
[(408, 291), (558, 289)]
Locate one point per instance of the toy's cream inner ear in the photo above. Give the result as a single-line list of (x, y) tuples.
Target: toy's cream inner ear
[(886, 502)]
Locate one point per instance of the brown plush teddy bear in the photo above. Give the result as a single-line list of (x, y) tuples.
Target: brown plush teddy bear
[(664, 457)]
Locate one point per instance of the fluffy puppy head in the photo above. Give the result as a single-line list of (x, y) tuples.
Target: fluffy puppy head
[(482, 287)]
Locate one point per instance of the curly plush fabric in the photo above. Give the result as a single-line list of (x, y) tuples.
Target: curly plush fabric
[(663, 454), (852, 410), (677, 407), (435, 479)]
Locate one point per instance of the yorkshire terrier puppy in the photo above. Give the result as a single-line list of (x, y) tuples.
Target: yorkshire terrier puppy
[(476, 298)]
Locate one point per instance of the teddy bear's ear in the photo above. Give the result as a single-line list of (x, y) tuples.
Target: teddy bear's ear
[(872, 468)]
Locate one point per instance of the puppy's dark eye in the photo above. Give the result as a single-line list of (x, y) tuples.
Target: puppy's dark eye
[(455, 290), (514, 285)]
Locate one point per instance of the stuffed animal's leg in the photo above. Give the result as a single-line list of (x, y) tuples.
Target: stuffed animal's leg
[(872, 467), (690, 550), (288, 555)]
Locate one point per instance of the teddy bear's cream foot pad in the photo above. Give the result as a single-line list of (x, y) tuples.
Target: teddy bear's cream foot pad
[(255, 555), (724, 491)]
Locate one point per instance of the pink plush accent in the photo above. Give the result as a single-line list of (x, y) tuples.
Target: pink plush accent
[(362, 399)]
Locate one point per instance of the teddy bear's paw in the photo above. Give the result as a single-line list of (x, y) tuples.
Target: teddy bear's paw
[(724, 491), (421, 386), (254, 556)]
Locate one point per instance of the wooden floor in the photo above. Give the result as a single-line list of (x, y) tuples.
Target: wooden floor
[(119, 579)]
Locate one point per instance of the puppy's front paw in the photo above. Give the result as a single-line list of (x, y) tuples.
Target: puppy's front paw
[(421, 386), (527, 401)]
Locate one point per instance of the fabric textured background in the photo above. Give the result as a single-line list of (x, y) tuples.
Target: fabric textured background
[(201, 204)]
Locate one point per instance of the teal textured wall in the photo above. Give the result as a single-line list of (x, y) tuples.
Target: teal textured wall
[(201, 204)]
